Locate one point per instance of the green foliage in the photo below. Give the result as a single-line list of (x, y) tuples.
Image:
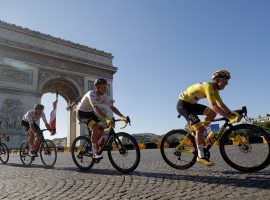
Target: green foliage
[(264, 125)]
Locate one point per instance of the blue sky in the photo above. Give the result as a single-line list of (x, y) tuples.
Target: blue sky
[(160, 48)]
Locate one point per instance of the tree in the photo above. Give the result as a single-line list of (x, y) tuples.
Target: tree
[(265, 125)]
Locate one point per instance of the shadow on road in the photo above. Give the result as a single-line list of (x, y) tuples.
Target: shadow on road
[(259, 180), (254, 180)]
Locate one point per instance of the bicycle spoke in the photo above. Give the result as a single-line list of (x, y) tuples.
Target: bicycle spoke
[(178, 150), (81, 153), (247, 150), (48, 153), (124, 152), (4, 154)]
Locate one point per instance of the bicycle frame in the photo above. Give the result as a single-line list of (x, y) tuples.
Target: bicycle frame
[(217, 136), (112, 134), (42, 139)]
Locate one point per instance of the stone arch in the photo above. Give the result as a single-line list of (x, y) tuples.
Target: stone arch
[(38, 64), (70, 90), (64, 85)]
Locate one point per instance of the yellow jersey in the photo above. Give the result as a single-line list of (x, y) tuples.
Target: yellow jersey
[(199, 91)]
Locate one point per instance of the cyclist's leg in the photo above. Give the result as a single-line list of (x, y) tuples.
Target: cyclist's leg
[(37, 138), (25, 125), (190, 112), (210, 115), (92, 124), (198, 109)]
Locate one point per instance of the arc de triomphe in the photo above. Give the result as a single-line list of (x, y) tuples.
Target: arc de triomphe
[(32, 63)]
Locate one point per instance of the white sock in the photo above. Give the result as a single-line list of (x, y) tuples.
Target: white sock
[(94, 148), (200, 151)]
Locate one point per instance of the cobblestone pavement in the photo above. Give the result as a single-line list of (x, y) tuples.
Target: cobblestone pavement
[(153, 179)]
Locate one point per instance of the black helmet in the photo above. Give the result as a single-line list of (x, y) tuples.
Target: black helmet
[(39, 107), (221, 74), (100, 81)]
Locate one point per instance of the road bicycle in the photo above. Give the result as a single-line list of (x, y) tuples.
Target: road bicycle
[(123, 150), (245, 147), (4, 152), (46, 149)]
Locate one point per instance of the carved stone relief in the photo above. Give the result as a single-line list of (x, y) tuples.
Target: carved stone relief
[(14, 75), (11, 113)]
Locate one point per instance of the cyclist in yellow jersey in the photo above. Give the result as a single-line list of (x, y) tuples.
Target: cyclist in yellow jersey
[(188, 107)]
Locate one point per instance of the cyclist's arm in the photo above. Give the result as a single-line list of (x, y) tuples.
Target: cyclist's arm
[(45, 121), (220, 111), (223, 107), (215, 101), (116, 111)]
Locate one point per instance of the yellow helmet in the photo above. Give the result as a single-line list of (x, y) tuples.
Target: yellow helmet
[(221, 74)]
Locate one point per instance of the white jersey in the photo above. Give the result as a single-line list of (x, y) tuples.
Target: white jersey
[(32, 117), (91, 100)]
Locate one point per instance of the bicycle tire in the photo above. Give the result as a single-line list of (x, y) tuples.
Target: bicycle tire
[(248, 147), (47, 148), (24, 154), (128, 145), (171, 144), (4, 150), (74, 149)]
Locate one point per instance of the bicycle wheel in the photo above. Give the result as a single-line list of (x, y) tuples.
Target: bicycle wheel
[(246, 147), (4, 153), (81, 153), (124, 152), (24, 154), (48, 153), (177, 153)]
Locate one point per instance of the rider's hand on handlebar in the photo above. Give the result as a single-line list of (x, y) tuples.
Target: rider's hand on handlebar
[(110, 122), (125, 119), (235, 117), (53, 132)]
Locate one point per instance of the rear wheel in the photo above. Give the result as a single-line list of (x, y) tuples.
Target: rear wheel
[(246, 147), (177, 150), (4, 153), (48, 153), (124, 152), (24, 154), (81, 153)]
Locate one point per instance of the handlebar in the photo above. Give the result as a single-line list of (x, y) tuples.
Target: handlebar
[(118, 120), (242, 112)]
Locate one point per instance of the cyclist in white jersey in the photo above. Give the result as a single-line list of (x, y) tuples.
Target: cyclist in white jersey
[(29, 124), (90, 109)]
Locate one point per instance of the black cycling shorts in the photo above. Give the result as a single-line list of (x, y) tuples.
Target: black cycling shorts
[(190, 111), (87, 117), (26, 125)]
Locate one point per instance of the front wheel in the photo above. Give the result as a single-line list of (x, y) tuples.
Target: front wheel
[(48, 153), (124, 152), (246, 147), (81, 151), (24, 154), (178, 149), (4, 153)]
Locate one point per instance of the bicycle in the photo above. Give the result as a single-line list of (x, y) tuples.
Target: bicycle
[(46, 149), (4, 152), (123, 150), (245, 147)]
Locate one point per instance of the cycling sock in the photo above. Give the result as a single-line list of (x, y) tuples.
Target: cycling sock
[(94, 148), (200, 151)]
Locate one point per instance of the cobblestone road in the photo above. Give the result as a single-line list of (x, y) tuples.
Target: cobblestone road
[(153, 179)]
